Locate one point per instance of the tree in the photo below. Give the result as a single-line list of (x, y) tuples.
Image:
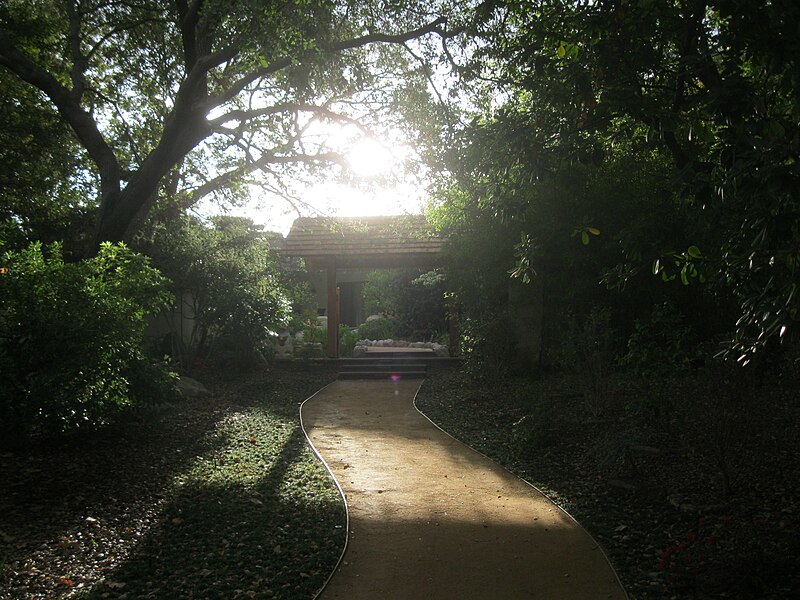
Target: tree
[(185, 98), (706, 89), (230, 279), (42, 194)]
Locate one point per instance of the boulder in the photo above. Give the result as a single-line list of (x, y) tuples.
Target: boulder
[(191, 388)]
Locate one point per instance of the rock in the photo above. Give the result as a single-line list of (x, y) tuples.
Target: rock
[(440, 350), (191, 388), (283, 346)]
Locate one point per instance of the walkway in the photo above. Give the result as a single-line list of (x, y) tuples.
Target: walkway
[(431, 519)]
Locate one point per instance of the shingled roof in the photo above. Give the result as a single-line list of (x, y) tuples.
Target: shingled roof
[(403, 240)]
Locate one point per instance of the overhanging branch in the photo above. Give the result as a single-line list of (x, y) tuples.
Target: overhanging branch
[(263, 162)]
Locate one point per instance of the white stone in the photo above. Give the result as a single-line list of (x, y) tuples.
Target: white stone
[(191, 388)]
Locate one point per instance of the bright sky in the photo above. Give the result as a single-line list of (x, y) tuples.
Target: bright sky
[(379, 186)]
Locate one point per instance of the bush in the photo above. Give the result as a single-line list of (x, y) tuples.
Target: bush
[(319, 335), (663, 342), (347, 340), (414, 298), (71, 334), (238, 294), (378, 329), (587, 350)]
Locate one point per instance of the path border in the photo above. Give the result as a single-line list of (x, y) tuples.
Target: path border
[(336, 483), (510, 472)]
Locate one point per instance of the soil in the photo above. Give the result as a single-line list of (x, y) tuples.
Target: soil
[(431, 518)]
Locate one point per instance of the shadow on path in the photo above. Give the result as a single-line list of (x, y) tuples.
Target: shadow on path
[(432, 518)]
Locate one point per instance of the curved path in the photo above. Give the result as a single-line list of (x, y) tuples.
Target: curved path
[(432, 519)]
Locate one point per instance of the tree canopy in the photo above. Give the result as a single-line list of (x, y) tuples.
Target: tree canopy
[(180, 99), (662, 134)]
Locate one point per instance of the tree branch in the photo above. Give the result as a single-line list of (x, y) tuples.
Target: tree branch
[(435, 26), (263, 162), (82, 123), (245, 115)]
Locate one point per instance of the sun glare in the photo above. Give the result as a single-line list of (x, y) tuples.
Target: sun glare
[(369, 158), (378, 182)]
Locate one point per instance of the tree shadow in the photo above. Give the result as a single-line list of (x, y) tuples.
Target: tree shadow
[(223, 540)]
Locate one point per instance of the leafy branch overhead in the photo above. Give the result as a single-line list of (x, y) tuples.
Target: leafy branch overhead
[(184, 99)]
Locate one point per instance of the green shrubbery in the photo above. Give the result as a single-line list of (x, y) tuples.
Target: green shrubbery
[(378, 329), (230, 277), (413, 298), (70, 337)]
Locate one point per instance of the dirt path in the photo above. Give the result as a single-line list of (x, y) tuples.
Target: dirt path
[(432, 519)]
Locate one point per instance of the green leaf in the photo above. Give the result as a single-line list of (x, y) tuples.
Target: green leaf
[(684, 278), (694, 252), (593, 230), (585, 238), (561, 52)]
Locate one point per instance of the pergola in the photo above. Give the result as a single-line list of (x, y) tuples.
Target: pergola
[(329, 244)]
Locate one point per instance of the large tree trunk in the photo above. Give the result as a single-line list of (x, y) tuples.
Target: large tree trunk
[(124, 211)]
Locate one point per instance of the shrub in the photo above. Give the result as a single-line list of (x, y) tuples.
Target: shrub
[(415, 299), (378, 329), (662, 342), (229, 273), (586, 349), (347, 340), (70, 336), (319, 335)]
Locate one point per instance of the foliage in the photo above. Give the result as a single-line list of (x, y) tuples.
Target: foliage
[(178, 101), (379, 329), (230, 278), (663, 341), (657, 137), (414, 298), (347, 340), (43, 175), (541, 428), (319, 335), (587, 350), (71, 336)]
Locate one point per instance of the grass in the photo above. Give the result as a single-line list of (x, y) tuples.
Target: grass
[(211, 498)]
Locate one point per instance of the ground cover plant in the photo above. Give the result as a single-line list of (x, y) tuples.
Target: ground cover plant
[(212, 497), (647, 477)]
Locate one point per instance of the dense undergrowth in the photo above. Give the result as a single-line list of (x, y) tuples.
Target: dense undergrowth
[(689, 481), (216, 497)]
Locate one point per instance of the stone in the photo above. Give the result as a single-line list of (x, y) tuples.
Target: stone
[(191, 388)]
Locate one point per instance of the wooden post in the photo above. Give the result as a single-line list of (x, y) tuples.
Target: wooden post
[(333, 311)]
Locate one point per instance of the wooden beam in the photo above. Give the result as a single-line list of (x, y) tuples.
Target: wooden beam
[(333, 311)]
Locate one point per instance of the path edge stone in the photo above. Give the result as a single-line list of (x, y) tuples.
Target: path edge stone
[(338, 488)]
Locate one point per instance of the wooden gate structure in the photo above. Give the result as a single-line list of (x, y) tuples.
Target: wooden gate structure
[(332, 243)]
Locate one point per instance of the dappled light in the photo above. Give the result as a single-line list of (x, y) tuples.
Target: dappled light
[(576, 222)]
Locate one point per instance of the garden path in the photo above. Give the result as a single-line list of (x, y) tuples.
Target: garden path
[(430, 518)]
